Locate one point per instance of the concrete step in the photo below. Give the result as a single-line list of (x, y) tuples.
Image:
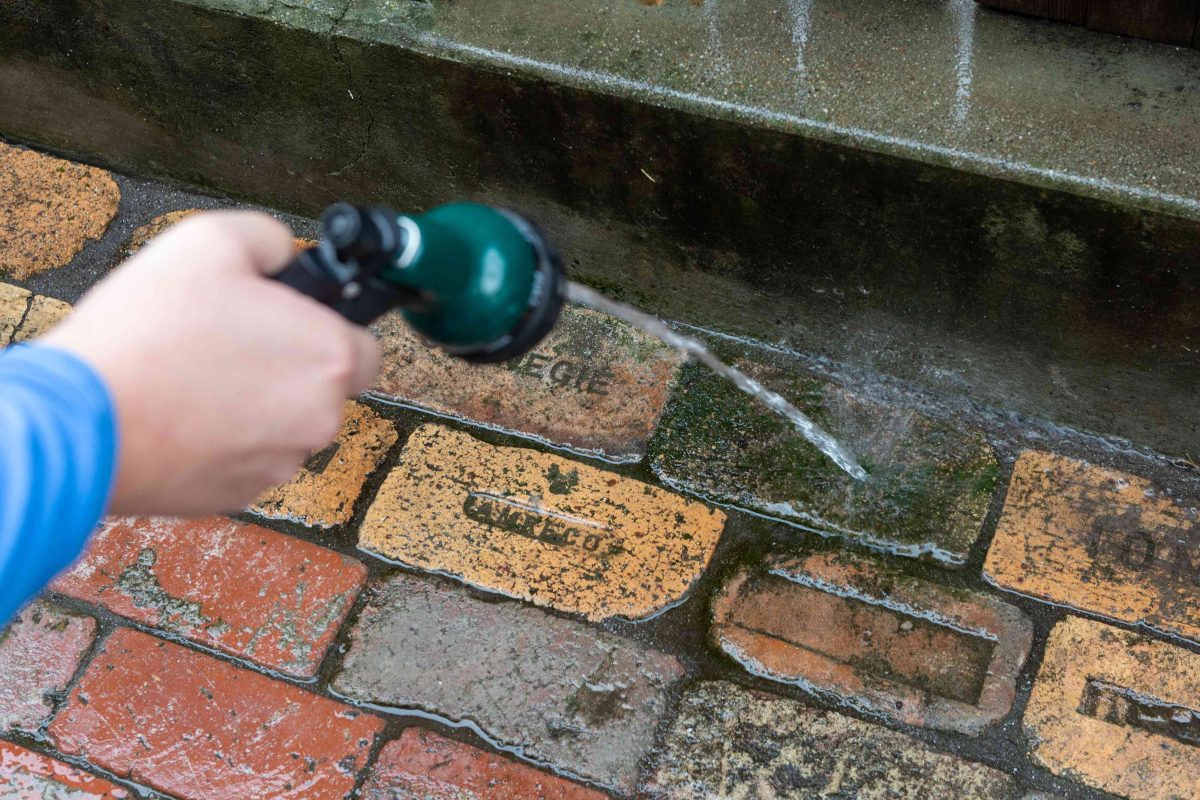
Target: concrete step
[(978, 203)]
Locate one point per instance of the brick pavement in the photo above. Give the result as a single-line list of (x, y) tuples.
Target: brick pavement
[(1000, 614)]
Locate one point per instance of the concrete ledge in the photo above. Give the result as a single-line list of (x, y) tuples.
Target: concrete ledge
[(983, 205)]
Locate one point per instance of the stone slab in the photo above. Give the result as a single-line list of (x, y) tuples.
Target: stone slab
[(539, 527), (1118, 712), (323, 493), (44, 313), (49, 209), (1099, 540), (595, 385), (251, 592), (930, 482), (26, 775), (14, 302), (732, 744), (197, 728), (421, 765), (885, 643), (555, 691), (39, 653)]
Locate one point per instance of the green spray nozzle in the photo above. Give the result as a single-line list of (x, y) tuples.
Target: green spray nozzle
[(480, 282)]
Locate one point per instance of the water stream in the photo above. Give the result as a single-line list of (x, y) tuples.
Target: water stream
[(582, 295)]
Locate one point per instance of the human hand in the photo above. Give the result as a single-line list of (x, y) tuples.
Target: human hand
[(224, 381)]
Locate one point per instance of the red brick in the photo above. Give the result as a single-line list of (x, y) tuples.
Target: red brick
[(421, 765), (877, 639), (193, 726), (26, 775), (39, 653), (251, 592)]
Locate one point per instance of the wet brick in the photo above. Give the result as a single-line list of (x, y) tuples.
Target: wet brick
[(876, 639), (195, 727), (554, 690), (251, 592), (14, 302), (44, 313), (325, 490), (930, 485), (1117, 711), (421, 765), (39, 653), (539, 527), (729, 743), (26, 775), (595, 385), (49, 208), (1101, 541)]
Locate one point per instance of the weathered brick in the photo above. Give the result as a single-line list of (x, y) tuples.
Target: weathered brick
[(595, 385), (44, 313), (421, 765), (325, 490), (930, 482), (193, 726), (1101, 541), (539, 527), (880, 641), (26, 775), (554, 690), (49, 208), (1117, 711), (243, 589), (14, 302), (731, 743), (39, 652)]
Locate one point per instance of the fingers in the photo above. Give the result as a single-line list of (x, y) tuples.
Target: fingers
[(246, 241), (369, 356), (268, 243)]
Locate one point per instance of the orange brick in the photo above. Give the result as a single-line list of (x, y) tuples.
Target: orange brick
[(26, 775), (14, 302), (423, 765), (878, 640), (1117, 711), (539, 527), (49, 208), (1101, 541), (595, 384), (44, 313), (325, 490), (251, 592), (39, 653), (192, 726)]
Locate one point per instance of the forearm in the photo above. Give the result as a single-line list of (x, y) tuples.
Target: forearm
[(58, 445)]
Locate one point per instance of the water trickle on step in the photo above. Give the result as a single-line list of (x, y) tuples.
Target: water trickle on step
[(582, 295)]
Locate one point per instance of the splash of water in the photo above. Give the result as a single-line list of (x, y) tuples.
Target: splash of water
[(578, 293)]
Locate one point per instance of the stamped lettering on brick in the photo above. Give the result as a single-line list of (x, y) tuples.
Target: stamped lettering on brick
[(595, 385), (1117, 711), (728, 742), (1099, 540), (539, 527), (880, 641)]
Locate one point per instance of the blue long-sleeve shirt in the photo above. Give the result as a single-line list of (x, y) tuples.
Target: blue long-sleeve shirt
[(58, 446)]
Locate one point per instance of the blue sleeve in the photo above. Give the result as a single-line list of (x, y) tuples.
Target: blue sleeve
[(58, 445)]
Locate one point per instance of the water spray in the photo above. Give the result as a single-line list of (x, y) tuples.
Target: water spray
[(483, 284)]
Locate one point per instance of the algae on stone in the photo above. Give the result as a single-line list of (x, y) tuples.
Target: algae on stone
[(929, 484)]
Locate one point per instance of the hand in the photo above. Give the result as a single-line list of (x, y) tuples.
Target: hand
[(224, 381)]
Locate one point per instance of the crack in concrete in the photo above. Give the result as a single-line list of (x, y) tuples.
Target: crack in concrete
[(333, 34)]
